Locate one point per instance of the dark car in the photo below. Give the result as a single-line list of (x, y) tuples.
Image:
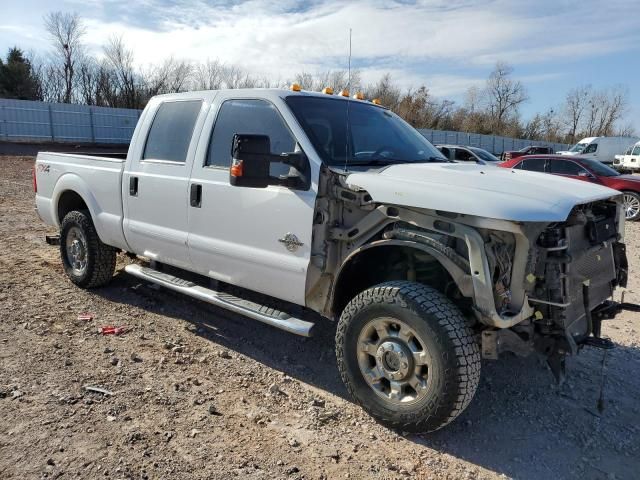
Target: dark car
[(530, 150), (586, 170), (461, 153)]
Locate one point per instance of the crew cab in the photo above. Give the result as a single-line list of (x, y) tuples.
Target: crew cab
[(588, 170), (530, 150), (284, 204)]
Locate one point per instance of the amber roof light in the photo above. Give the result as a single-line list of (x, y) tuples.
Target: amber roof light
[(296, 87)]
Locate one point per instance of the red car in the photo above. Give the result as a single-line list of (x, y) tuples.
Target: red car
[(587, 170)]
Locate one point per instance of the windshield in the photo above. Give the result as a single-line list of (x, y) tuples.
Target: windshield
[(363, 134), (484, 155), (599, 168), (578, 147)]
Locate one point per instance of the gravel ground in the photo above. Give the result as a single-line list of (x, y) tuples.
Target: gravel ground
[(197, 392)]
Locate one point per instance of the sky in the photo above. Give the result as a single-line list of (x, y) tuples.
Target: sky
[(448, 46)]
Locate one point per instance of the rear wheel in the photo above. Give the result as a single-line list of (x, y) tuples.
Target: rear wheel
[(407, 356), (86, 260), (631, 205)]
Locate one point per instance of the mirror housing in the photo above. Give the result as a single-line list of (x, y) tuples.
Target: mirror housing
[(252, 160), (585, 174)]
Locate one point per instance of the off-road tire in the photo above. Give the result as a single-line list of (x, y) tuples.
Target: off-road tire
[(101, 258), (454, 351)]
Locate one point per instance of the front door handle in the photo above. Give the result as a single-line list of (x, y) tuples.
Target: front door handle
[(195, 198), (133, 186)]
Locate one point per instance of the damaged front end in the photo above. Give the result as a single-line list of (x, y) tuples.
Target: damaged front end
[(573, 269)]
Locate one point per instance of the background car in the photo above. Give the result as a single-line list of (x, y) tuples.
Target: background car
[(631, 159), (461, 153), (588, 170), (603, 149), (530, 150)]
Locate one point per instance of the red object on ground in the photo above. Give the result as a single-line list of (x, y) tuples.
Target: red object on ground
[(110, 330)]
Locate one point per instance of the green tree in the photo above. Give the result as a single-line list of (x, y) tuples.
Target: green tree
[(17, 79)]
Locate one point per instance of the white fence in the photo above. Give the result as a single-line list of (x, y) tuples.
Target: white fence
[(25, 120), (493, 143)]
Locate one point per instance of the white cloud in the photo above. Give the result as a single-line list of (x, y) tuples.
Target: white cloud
[(447, 45)]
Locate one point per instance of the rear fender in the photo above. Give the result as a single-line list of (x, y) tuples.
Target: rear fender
[(108, 224)]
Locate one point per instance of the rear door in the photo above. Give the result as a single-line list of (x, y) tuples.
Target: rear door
[(256, 238), (156, 180), (570, 169), (533, 164)]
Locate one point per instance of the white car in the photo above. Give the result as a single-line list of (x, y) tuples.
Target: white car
[(603, 149), (630, 160), (426, 265)]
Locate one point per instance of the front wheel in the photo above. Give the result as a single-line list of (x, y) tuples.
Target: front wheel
[(407, 356), (86, 260), (631, 205)]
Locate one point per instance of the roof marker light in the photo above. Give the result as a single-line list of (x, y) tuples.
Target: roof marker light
[(327, 90), (376, 101), (359, 96), (296, 87), (344, 93)]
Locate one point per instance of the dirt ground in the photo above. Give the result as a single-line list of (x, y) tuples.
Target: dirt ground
[(197, 392)]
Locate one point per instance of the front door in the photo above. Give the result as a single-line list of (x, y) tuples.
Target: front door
[(155, 184), (256, 238)]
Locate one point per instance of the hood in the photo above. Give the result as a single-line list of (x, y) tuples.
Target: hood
[(499, 193)]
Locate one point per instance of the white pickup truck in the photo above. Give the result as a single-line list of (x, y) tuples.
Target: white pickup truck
[(265, 201)]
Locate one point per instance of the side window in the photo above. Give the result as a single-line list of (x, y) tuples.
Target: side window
[(171, 131), (636, 150), (248, 116), (591, 148), (533, 164), (464, 155), (444, 151), (564, 167)]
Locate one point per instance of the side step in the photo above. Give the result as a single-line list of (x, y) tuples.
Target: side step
[(259, 312)]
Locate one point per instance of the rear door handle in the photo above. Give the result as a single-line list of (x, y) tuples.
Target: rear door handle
[(195, 198), (133, 186)]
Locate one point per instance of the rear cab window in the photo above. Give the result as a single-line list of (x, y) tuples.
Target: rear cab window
[(171, 131)]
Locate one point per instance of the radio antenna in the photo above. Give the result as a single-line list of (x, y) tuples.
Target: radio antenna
[(346, 147)]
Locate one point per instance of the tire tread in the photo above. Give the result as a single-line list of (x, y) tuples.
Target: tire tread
[(422, 299)]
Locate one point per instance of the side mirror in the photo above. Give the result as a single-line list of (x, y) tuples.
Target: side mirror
[(585, 174), (252, 161)]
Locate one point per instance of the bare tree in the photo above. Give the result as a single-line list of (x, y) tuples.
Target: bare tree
[(504, 95), (208, 75), (66, 31), (604, 108), (120, 61), (385, 90), (574, 109)]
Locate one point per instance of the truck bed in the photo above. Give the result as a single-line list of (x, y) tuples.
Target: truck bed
[(96, 179)]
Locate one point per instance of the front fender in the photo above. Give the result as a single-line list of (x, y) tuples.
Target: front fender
[(460, 277)]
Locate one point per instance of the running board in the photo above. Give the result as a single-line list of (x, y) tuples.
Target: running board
[(262, 313)]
